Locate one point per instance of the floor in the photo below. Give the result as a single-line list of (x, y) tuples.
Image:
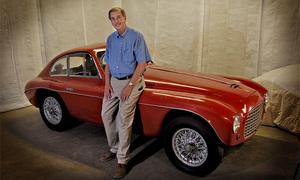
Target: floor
[(29, 150)]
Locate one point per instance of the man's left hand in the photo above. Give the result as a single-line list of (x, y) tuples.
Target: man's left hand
[(126, 93)]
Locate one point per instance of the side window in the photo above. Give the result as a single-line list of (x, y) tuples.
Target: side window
[(59, 68), (76, 65), (101, 57), (90, 66), (82, 65)]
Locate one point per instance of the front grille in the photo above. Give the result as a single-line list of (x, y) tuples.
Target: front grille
[(253, 120)]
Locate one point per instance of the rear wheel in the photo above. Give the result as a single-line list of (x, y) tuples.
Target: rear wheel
[(54, 113), (191, 147)]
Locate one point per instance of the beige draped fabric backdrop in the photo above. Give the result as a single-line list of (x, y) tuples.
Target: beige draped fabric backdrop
[(233, 37)]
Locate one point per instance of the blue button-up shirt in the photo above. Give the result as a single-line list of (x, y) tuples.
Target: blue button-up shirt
[(124, 52)]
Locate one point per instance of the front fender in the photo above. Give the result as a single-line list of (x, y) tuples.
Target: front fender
[(156, 104)]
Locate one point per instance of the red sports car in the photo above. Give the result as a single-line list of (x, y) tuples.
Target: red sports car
[(196, 114)]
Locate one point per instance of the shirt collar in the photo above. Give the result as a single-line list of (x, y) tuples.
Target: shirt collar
[(122, 35)]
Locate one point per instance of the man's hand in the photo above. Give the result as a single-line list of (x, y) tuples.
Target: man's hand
[(108, 90), (140, 69), (126, 93)]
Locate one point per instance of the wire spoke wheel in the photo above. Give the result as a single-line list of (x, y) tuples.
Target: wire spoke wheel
[(189, 147), (52, 110)]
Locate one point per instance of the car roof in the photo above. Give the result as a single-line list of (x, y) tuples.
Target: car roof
[(88, 48)]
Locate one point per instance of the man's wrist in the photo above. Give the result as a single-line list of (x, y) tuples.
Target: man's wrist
[(130, 84)]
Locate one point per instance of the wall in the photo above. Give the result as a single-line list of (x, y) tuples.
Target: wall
[(233, 37), (32, 32), (67, 24), (20, 50)]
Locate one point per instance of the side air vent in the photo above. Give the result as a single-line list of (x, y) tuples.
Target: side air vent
[(234, 86)]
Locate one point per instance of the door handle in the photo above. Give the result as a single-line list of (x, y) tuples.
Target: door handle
[(69, 89)]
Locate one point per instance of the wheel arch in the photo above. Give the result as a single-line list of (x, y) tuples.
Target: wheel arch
[(172, 114), (41, 93), (186, 121), (67, 120)]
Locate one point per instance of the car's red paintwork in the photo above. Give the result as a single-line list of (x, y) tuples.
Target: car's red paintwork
[(214, 99)]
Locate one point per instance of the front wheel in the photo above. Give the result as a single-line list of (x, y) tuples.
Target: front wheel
[(54, 113), (190, 146)]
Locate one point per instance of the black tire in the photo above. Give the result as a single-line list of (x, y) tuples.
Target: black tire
[(54, 113), (197, 159)]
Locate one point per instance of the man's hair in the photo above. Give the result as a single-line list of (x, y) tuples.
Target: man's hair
[(116, 9)]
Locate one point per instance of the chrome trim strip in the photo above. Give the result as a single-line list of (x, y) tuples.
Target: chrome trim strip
[(99, 50), (58, 75), (68, 92), (79, 76)]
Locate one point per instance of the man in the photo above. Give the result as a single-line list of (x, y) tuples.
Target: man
[(126, 59)]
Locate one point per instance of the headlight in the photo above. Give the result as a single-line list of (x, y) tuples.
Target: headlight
[(236, 123), (266, 98)]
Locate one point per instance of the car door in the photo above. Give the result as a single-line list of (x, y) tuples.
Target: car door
[(84, 88)]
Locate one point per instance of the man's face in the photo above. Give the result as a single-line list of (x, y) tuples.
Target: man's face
[(118, 21)]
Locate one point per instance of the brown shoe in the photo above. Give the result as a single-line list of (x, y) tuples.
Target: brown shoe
[(108, 156), (120, 172)]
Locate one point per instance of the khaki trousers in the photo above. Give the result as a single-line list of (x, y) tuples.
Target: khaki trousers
[(118, 117)]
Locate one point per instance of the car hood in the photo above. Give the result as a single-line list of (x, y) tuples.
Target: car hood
[(211, 86)]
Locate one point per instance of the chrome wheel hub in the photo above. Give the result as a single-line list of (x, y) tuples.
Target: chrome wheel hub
[(189, 147), (52, 110)]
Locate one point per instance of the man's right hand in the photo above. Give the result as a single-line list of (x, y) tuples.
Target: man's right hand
[(107, 91), (107, 88)]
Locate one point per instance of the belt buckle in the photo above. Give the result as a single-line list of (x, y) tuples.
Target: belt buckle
[(127, 77)]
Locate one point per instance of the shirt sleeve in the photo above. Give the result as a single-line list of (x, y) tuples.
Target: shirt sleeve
[(107, 51), (141, 51)]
